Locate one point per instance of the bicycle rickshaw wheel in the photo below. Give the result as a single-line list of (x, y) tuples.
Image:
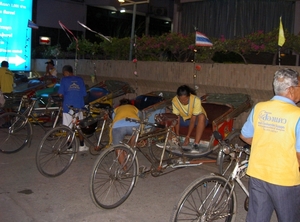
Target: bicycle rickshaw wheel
[(56, 151), (48, 120), (206, 199), (155, 151), (226, 162), (111, 181), (15, 132)]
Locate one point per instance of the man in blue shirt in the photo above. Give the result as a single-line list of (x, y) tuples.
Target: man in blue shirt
[(73, 91)]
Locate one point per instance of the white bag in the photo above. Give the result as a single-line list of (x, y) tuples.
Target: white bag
[(2, 99)]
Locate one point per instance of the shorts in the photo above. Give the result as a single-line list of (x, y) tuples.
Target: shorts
[(119, 133), (67, 119), (187, 122), (9, 100)]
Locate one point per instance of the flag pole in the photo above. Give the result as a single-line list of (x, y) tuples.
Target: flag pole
[(194, 62), (194, 66), (279, 56)]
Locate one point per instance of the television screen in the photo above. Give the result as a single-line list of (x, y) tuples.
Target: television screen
[(15, 33)]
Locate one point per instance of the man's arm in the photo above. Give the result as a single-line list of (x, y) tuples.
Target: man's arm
[(246, 140), (298, 157)]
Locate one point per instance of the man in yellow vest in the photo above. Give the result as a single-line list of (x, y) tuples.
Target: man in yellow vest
[(6, 78), (273, 130), (187, 106), (7, 87)]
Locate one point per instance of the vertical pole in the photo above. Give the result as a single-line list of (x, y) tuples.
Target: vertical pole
[(279, 56), (132, 31), (147, 24), (76, 61), (195, 72)]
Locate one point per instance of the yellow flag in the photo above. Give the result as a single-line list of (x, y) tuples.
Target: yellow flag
[(281, 38)]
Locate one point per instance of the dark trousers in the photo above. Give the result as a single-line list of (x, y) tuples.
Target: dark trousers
[(264, 198)]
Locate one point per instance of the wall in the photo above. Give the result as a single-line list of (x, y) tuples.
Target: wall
[(255, 80)]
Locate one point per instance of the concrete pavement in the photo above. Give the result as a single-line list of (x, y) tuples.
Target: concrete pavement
[(27, 196)]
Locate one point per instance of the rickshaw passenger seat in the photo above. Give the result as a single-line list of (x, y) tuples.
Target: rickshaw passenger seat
[(213, 111)]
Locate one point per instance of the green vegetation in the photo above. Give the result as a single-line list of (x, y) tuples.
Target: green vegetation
[(177, 47)]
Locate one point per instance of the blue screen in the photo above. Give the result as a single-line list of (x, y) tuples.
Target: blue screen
[(15, 36)]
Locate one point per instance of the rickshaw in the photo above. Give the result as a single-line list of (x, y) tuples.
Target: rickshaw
[(117, 169)]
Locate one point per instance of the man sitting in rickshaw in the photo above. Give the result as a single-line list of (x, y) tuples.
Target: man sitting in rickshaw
[(187, 106)]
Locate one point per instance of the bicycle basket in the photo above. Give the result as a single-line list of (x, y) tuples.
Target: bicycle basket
[(88, 125)]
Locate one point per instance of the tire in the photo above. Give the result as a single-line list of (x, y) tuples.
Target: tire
[(110, 184), (48, 120), (15, 134), (198, 202), (56, 151), (226, 162), (155, 151)]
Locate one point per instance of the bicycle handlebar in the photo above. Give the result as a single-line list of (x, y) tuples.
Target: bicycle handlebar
[(228, 148)]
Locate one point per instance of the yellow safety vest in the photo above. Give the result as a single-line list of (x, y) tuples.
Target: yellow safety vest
[(187, 111), (273, 153)]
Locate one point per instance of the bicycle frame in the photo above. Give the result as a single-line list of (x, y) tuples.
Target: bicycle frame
[(166, 131), (240, 166), (78, 131), (28, 113), (86, 138)]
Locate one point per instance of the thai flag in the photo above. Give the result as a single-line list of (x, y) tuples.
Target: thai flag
[(202, 40)]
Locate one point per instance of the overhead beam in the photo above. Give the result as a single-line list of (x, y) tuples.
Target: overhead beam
[(131, 2)]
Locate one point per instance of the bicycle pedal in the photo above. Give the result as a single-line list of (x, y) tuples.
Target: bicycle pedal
[(143, 169), (172, 161), (142, 175), (99, 148)]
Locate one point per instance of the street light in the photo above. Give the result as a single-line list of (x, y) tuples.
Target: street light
[(134, 3)]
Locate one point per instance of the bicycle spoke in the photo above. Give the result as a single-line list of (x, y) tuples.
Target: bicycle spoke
[(15, 133), (208, 199), (113, 177), (56, 152)]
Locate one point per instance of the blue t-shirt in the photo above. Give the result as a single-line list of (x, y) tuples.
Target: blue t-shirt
[(73, 90)]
